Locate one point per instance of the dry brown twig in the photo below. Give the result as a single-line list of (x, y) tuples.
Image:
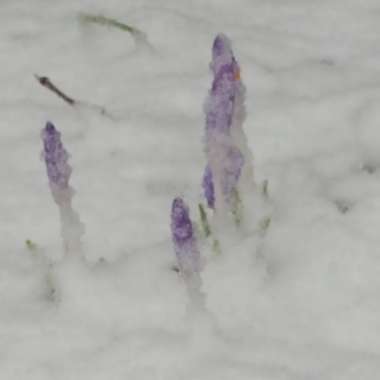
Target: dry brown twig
[(48, 84)]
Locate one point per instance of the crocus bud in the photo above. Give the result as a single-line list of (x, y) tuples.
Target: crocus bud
[(220, 104), (228, 155), (184, 240), (58, 169)]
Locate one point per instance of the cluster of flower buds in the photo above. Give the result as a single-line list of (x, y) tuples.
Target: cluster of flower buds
[(226, 146), (228, 157)]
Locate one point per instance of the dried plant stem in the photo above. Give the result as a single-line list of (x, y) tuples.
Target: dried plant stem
[(48, 84)]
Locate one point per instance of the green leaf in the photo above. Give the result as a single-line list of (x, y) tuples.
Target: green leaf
[(106, 21)]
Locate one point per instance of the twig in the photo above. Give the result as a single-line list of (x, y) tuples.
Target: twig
[(47, 83)]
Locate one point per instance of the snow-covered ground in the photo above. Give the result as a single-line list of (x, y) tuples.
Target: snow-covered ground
[(301, 301)]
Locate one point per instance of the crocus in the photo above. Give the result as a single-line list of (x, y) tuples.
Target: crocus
[(224, 115), (57, 167), (184, 241), (58, 172), (225, 86)]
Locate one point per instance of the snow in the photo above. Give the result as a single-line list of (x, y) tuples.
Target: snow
[(298, 302)]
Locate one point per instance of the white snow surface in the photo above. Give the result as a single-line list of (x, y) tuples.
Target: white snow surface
[(301, 302)]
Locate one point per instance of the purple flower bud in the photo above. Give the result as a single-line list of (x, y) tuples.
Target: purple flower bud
[(223, 60), (224, 116), (183, 238), (59, 171), (225, 88), (56, 157), (208, 187)]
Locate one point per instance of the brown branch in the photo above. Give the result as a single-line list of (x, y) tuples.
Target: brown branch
[(47, 83)]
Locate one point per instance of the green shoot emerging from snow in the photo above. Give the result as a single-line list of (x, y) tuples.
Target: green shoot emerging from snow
[(237, 207), (31, 245), (207, 229), (110, 22), (204, 221)]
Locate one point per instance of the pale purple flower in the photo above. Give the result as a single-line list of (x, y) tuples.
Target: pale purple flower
[(184, 240), (224, 90), (59, 171), (57, 167), (224, 111)]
